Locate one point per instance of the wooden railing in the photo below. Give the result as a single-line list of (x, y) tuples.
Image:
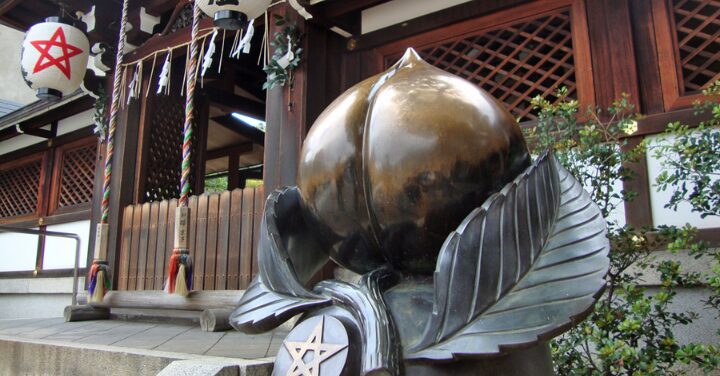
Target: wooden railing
[(222, 236)]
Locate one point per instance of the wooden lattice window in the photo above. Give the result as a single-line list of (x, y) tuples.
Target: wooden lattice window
[(514, 61), (688, 37), (164, 149), (19, 187), (77, 174), (697, 27)]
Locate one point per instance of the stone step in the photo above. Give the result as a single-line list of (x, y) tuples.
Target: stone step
[(22, 356)]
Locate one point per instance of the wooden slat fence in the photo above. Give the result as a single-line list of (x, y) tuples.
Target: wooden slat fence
[(223, 237)]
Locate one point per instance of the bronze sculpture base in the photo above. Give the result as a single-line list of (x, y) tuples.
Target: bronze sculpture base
[(533, 361)]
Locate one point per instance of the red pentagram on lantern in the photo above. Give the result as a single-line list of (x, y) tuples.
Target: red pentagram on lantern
[(62, 61)]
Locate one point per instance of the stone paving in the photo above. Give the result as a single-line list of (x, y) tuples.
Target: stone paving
[(185, 339)]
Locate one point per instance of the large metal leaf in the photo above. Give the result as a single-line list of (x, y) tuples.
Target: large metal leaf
[(520, 268), (288, 256)]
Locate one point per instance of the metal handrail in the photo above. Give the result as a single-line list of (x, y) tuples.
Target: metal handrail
[(66, 235)]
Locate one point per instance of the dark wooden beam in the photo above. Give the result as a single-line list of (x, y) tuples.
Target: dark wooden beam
[(657, 123), (41, 146), (234, 103), (7, 5), (229, 150), (240, 127), (12, 23), (39, 132), (158, 7), (433, 21), (161, 42), (233, 175), (32, 125), (44, 133), (72, 108), (8, 133), (333, 9)]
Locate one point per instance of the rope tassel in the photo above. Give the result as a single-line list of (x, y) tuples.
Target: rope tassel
[(180, 274), (99, 278), (180, 270)]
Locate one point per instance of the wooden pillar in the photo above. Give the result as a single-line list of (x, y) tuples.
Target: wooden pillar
[(646, 52), (233, 173), (291, 110), (287, 107), (96, 200), (285, 128), (202, 117), (615, 71), (122, 183), (612, 50)]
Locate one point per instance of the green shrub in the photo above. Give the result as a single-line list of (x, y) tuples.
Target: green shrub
[(631, 329)]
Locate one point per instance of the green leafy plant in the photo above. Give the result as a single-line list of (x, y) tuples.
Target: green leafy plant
[(631, 329), (691, 169), (216, 184), (288, 36), (691, 159)]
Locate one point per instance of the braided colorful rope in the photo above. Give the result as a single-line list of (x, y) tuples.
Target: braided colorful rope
[(114, 108), (100, 267), (181, 257), (189, 109)]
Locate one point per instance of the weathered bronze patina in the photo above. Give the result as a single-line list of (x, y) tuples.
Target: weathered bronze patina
[(395, 163)]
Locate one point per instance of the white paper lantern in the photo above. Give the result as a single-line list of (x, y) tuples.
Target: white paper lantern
[(233, 14), (54, 57)]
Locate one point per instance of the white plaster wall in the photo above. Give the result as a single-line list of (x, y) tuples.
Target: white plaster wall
[(33, 306), (397, 11), (13, 86), (17, 143), (658, 199), (75, 122), (36, 297), (59, 285), (18, 252), (60, 252)]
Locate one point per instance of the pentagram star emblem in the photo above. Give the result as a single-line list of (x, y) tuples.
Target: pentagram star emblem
[(47, 59), (319, 352)]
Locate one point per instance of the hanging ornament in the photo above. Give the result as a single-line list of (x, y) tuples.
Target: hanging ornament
[(54, 57), (208, 58), (286, 59), (165, 75), (232, 14), (244, 44), (134, 87)]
